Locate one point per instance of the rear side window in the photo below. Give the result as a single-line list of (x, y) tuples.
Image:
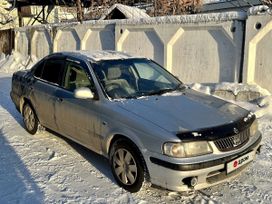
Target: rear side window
[(53, 71), (38, 70)]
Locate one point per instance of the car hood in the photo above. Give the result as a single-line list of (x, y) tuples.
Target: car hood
[(184, 111)]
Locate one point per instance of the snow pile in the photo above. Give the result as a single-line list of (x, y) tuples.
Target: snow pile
[(264, 107), (15, 62), (257, 10), (201, 88), (235, 88), (261, 105), (239, 87)]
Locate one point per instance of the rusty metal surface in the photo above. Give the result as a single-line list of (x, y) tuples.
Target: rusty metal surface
[(6, 41)]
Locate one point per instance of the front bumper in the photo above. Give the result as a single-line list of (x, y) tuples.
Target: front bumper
[(175, 176)]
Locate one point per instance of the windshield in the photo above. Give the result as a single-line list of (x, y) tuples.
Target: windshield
[(132, 78)]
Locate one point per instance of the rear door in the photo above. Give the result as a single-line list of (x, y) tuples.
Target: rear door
[(78, 118), (48, 77)]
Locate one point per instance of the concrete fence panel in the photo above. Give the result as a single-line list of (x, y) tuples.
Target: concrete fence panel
[(66, 39), (196, 48), (22, 42), (99, 38), (216, 57), (141, 41), (41, 43), (258, 51), (208, 51)]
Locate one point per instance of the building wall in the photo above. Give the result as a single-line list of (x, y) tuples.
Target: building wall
[(58, 14)]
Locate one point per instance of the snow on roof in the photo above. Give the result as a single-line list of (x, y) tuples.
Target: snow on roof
[(194, 18), (128, 11), (213, 1), (102, 55)]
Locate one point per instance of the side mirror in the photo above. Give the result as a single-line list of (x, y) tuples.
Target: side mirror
[(83, 93)]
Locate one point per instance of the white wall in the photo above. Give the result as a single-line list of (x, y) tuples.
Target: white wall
[(196, 48), (258, 51), (202, 52)]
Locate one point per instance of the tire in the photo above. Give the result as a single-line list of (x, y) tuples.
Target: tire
[(30, 119), (128, 166)]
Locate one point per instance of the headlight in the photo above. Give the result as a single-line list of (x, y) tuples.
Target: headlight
[(254, 128), (186, 149)]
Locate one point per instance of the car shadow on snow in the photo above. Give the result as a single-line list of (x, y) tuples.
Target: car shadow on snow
[(6, 102), (96, 160), (16, 183)]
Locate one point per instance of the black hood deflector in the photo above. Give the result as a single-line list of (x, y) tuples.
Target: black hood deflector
[(218, 132)]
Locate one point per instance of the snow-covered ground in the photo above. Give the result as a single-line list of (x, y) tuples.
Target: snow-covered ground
[(47, 168)]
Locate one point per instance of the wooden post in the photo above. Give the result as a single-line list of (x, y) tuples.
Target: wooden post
[(20, 19), (79, 11)]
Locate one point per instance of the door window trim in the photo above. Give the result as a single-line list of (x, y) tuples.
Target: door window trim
[(44, 62), (85, 68)]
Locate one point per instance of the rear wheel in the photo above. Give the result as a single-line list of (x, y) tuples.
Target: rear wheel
[(127, 165), (30, 119)]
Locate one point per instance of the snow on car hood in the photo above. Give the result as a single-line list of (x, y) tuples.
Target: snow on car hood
[(187, 111)]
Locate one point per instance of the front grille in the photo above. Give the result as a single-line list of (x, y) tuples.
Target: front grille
[(233, 142)]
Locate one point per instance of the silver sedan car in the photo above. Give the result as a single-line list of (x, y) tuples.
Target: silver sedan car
[(151, 127)]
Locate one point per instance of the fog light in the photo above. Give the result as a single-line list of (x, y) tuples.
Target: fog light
[(190, 181), (193, 181)]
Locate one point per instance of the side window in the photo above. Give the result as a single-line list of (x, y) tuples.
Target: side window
[(38, 70), (53, 71), (76, 77)]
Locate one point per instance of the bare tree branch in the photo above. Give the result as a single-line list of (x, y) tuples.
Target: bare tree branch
[(267, 2)]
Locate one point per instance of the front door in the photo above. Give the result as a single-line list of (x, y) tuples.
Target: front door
[(78, 118)]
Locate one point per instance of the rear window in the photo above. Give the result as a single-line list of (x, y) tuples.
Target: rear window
[(53, 71)]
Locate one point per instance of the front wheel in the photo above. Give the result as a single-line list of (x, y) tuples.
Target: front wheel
[(30, 119), (127, 165)]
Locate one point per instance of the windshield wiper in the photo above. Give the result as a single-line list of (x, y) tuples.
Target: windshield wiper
[(130, 97), (160, 92), (179, 87)]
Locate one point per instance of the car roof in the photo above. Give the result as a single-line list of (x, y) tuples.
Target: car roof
[(98, 55)]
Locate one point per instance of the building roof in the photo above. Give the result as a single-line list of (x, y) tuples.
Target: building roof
[(120, 11), (228, 5)]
